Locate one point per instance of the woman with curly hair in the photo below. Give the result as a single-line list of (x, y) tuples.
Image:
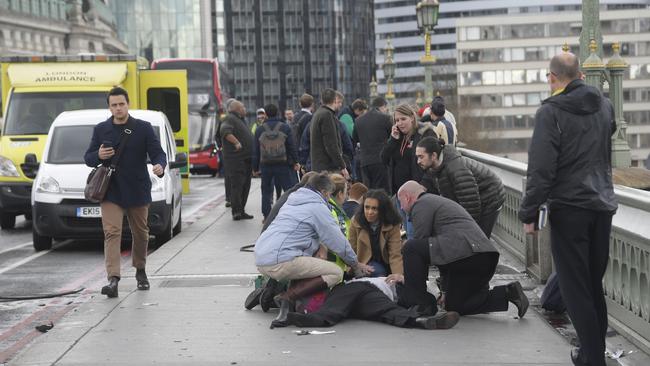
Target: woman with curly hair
[(375, 234)]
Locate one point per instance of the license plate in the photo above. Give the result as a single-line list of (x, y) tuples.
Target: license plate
[(89, 212)]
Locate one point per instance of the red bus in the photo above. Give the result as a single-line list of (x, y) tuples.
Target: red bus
[(204, 105)]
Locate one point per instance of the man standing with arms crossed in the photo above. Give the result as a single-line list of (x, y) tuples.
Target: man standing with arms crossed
[(130, 187), (569, 165)]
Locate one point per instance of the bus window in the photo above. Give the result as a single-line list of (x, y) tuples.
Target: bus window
[(168, 101)]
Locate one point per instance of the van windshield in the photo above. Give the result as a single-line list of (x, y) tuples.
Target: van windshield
[(69, 144), (33, 113)]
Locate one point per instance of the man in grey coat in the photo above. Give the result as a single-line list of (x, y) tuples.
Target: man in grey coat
[(446, 236)]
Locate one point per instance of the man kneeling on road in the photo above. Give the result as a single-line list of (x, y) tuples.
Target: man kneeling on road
[(446, 236), (285, 250)]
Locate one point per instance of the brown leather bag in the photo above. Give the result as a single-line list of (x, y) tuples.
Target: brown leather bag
[(100, 177)]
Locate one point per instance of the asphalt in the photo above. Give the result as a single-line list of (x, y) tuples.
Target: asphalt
[(194, 315)]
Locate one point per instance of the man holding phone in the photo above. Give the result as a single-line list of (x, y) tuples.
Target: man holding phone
[(129, 191)]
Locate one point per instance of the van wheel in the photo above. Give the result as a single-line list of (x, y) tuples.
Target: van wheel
[(7, 221), (41, 242), (178, 227)]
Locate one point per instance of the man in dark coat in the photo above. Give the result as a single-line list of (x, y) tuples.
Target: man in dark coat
[(465, 181), (325, 144), (569, 165), (372, 131), (130, 187), (237, 143), (447, 237)]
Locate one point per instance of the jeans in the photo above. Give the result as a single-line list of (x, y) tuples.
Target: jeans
[(280, 174), (381, 269)]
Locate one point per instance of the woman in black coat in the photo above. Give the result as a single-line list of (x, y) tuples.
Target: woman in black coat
[(399, 153)]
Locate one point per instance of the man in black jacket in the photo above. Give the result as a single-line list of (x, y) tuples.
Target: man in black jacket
[(569, 165), (326, 152), (237, 143), (447, 237), (371, 131), (129, 191), (466, 181)]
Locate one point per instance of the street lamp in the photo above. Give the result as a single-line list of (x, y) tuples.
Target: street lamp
[(389, 69), (427, 16)]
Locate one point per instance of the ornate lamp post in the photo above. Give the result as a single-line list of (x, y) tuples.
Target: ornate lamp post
[(427, 16), (373, 88), (389, 70)]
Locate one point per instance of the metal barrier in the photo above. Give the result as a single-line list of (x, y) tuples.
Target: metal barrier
[(627, 280)]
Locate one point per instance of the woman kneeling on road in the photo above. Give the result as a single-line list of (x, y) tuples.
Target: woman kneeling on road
[(285, 250)]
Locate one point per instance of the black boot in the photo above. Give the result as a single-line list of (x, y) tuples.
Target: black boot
[(578, 358), (253, 299), (515, 294), (270, 289), (141, 278), (442, 320), (110, 290), (298, 289)]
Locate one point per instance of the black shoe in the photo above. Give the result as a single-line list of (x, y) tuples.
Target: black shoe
[(110, 290), (227, 203), (268, 293), (236, 217), (253, 299), (141, 278), (515, 294), (577, 358), (246, 216), (442, 320)]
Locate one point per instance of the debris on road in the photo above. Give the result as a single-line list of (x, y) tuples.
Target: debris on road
[(315, 332), (44, 328)]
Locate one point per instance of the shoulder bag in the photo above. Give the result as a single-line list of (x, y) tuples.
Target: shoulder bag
[(100, 177)]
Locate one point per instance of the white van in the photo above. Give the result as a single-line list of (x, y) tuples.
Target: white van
[(59, 209)]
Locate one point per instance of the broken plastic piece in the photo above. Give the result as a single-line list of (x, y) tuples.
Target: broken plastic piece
[(315, 332)]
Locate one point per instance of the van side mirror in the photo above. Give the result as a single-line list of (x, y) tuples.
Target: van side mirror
[(181, 161), (30, 166)]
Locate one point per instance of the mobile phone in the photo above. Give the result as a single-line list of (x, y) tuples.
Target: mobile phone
[(107, 143)]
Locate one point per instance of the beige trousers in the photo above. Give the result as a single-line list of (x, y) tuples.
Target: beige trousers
[(304, 267), (112, 216)]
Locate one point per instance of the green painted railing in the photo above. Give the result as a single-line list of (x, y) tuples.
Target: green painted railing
[(627, 280)]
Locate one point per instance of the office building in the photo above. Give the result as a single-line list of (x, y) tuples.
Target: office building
[(278, 49), (502, 69)]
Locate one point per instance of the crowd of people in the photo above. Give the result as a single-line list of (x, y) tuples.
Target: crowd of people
[(366, 201)]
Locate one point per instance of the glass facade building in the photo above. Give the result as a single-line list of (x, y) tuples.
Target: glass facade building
[(278, 49), (160, 28), (502, 70)]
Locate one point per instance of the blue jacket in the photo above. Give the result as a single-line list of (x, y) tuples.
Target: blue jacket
[(301, 225), (305, 145), (130, 184), (292, 157)]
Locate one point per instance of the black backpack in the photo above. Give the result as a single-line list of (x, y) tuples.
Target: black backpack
[(272, 145)]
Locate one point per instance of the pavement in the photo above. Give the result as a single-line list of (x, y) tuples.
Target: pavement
[(194, 315)]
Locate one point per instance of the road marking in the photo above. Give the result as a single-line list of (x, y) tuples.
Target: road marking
[(191, 213), (16, 247), (23, 261)]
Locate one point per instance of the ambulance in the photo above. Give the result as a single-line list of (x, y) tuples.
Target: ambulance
[(36, 89)]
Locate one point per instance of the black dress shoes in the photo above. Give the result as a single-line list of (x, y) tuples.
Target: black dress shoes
[(515, 294), (246, 216), (141, 278), (110, 290)]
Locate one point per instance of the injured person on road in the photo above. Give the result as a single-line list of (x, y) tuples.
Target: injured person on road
[(373, 299)]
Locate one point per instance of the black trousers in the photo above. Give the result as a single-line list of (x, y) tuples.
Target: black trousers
[(358, 300), (238, 176), (467, 281), (580, 246), (486, 222), (375, 176)]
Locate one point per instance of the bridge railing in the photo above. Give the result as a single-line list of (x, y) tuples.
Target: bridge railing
[(627, 280)]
